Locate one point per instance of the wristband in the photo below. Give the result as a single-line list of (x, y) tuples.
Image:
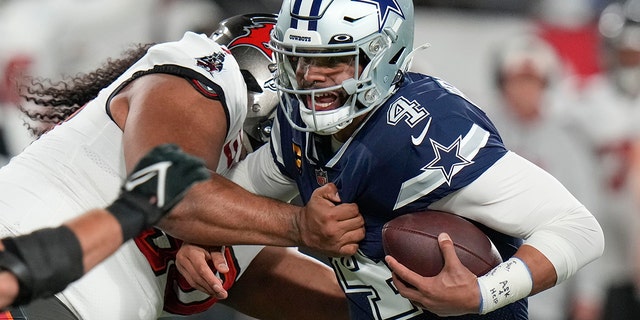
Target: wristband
[(44, 261), (507, 283), (130, 214)]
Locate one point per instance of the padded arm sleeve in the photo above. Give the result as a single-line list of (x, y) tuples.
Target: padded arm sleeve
[(259, 174), (44, 261), (518, 198)]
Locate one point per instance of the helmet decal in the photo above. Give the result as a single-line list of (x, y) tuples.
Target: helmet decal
[(312, 11), (247, 37), (384, 7), (212, 63), (257, 36)]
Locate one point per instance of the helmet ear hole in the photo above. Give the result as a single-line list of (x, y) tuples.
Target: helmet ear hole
[(250, 80), (397, 56), (364, 59)]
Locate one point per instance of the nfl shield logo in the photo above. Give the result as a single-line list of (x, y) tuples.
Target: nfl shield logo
[(321, 177)]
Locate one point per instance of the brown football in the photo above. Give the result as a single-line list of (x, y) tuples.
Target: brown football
[(412, 239)]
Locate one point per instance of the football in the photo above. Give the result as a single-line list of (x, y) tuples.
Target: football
[(412, 239)]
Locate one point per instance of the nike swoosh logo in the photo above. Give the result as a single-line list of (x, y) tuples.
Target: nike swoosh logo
[(141, 176), (418, 141)]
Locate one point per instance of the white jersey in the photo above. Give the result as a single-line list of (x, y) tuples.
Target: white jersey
[(79, 165)]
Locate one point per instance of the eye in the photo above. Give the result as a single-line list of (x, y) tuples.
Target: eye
[(334, 61), (325, 62)]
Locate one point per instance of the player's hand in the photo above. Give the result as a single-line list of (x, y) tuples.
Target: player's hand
[(328, 226), (198, 266), (454, 291), (158, 182), (9, 289)]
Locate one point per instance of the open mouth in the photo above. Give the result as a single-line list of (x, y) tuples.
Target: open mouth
[(324, 101)]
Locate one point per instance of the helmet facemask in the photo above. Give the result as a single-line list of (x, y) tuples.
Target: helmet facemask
[(325, 109), (347, 35)]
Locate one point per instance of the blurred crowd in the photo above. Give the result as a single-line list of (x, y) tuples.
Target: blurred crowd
[(55, 38), (569, 100), (560, 79)]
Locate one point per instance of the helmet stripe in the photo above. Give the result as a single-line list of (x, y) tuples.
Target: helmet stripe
[(311, 10), (315, 10), (295, 11)]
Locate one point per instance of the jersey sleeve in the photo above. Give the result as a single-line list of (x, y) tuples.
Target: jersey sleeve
[(210, 68), (519, 199), (259, 174), (447, 143)]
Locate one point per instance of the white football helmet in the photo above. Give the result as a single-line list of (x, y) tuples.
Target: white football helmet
[(526, 53), (247, 37), (375, 36)]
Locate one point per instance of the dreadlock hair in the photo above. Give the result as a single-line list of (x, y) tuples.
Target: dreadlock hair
[(47, 102)]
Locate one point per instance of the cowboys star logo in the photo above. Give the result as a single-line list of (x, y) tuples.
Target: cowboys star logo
[(448, 160), (384, 8)]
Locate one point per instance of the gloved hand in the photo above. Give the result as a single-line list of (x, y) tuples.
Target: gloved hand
[(47, 260), (158, 182)]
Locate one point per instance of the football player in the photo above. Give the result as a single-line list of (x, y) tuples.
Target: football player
[(192, 93), (396, 142)]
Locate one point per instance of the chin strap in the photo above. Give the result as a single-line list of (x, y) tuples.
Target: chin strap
[(407, 61)]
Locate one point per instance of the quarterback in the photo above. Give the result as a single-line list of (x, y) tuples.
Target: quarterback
[(396, 142)]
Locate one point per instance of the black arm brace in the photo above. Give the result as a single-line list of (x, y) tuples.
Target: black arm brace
[(45, 262)]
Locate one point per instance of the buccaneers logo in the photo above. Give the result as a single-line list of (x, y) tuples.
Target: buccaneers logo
[(257, 36), (212, 63)]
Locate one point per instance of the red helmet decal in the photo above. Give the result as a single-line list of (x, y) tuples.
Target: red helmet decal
[(257, 36)]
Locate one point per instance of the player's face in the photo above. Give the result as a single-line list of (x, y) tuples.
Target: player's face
[(628, 57), (523, 91), (324, 72)]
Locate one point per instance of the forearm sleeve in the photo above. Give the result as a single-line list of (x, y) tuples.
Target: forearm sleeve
[(259, 174), (517, 198)]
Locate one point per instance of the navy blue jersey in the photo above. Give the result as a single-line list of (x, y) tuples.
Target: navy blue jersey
[(424, 143)]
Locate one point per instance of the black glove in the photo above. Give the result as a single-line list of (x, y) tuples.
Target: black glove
[(158, 182)]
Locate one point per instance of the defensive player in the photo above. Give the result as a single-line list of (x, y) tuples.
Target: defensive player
[(45, 261), (396, 142), (191, 92)]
